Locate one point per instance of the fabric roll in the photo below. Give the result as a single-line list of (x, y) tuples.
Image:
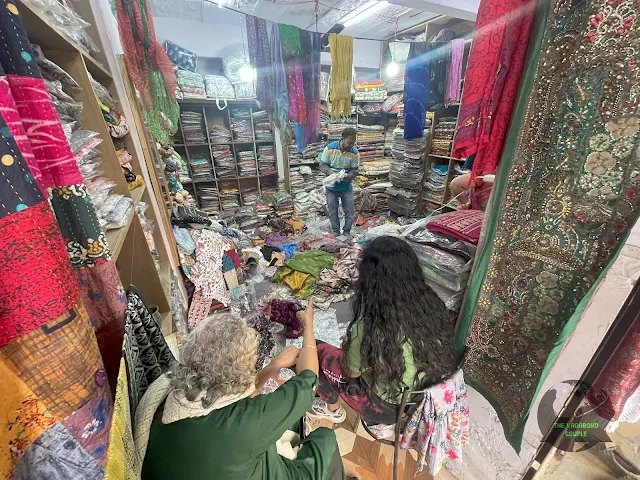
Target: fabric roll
[(341, 74), (416, 91)]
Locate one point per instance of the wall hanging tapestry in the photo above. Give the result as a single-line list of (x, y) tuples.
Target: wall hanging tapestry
[(494, 70), (416, 90), (341, 74), (565, 197), (149, 68)]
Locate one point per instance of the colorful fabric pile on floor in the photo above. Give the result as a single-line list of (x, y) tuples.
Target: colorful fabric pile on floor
[(301, 272)]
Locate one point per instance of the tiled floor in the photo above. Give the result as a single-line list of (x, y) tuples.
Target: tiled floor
[(368, 459)]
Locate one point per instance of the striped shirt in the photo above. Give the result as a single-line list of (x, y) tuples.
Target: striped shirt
[(339, 160)]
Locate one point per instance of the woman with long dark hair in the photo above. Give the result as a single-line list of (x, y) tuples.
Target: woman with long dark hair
[(400, 336)]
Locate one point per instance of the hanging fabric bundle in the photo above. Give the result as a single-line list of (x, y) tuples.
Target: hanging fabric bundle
[(341, 74), (416, 90), (562, 207), (262, 60), (454, 76), (492, 79), (281, 94), (149, 68), (311, 82), (438, 58), (291, 53)]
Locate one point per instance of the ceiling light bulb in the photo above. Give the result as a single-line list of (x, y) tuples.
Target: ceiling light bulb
[(246, 73), (392, 69)]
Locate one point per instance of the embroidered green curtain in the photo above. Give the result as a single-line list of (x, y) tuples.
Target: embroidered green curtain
[(566, 195)]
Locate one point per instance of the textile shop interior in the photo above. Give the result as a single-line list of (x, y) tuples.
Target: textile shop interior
[(408, 227)]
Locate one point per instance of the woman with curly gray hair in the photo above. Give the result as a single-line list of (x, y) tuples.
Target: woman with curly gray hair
[(210, 422)]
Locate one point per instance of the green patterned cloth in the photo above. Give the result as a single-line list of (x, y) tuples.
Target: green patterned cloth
[(565, 197)]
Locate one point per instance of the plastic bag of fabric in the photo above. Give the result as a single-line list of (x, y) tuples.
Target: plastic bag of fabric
[(117, 218), (244, 90), (451, 299), (232, 64), (218, 86), (180, 56)]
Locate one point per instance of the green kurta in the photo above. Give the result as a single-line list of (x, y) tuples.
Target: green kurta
[(238, 442)]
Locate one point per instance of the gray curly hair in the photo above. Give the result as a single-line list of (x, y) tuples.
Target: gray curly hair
[(218, 357)]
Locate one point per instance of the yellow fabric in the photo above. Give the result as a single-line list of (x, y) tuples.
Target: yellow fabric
[(121, 456), (302, 284), (341, 80), (136, 183), (23, 418)]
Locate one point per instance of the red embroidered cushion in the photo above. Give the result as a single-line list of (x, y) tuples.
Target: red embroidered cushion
[(464, 225)]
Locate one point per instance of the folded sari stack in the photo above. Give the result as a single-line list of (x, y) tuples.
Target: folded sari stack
[(267, 160), (193, 127), (370, 91), (224, 162), (190, 85), (241, 125), (443, 136), (247, 164)]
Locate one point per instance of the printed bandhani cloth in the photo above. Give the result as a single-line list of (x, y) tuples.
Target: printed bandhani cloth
[(564, 199), (492, 78)]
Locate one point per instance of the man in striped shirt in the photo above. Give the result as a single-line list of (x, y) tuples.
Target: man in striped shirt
[(339, 156)]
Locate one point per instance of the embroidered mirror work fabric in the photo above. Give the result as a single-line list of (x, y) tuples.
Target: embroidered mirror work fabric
[(566, 195)]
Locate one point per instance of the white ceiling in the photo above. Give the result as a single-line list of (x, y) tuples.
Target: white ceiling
[(302, 14)]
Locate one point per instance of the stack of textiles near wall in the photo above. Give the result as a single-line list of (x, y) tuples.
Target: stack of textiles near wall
[(312, 152), (379, 190), (220, 134), (303, 204), (406, 173), (370, 91), (193, 127), (371, 142), (388, 137), (435, 182), (428, 120), (269, 190), (247, 164), (281, 202), (403, 201), (183, 173), (443, 136), (263, 211), (247, 219), (208, 196), (296, 181), (335, 127), (374, 169), (267, 160), (229, 198), (201, 168), (250, 196), (190, 84), (224, 162), (295, 157), (241, 125), (262, 126)]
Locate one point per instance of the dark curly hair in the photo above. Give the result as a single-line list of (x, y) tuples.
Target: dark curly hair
[(396, 305)]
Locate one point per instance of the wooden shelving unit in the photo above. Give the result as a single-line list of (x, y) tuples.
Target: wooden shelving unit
[(129, 249), (212, 116)]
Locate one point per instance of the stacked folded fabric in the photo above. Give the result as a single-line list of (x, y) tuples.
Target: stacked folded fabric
[(241, 125), (201, 168), (335, 127), (312, 152), (247, 219), (262, 126), (193, 127), (443, 136), (263, 210), (435, 182), (303, 204), (371, 96), (374, 169), (371, 142), (250, 196), (247, 163), (295, 157), (220, 134), (296, 181), (406, 172), (183, 173), (224, 162), (379, 191), (190, 84), (267, 160), (208, 196), (229, 198)]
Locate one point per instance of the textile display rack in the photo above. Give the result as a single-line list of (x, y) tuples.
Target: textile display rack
[(140, 255), (225, 153)]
